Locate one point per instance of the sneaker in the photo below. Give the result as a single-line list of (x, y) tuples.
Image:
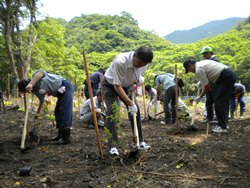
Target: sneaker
[(114, 151), (218, 129), (100, 123), (163, 122), (143, 146)]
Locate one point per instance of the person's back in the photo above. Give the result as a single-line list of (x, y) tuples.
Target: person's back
[(95, 79), (165, 81), (238, 98)]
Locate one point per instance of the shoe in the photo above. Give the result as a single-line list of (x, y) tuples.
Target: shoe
[(65, 139), (58, 137), (114, 151), (163, 122), (143, 146), (218, 129), (100, 123)]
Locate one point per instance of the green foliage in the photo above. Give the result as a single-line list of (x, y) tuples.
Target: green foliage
[(60, 44), (116, 119)]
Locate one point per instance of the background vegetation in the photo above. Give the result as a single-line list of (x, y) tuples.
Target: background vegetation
[(56, 45)]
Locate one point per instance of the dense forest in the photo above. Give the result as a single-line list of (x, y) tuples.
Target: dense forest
[(56, 45)]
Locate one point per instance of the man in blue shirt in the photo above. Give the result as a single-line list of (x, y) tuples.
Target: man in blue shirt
[(238, 98), (167, 83), (95, 79), (42, 84)]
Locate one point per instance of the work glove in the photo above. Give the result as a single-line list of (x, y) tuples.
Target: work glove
[(61, 89), (141, 80), (198, 99), (132, 109), (98, 110)]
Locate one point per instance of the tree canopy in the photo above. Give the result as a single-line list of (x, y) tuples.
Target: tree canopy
[(57, 45)]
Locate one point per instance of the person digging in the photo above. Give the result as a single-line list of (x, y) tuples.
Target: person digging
[(42, 84)]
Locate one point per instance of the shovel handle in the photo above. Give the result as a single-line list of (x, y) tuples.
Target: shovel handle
[(24, 133), (135, 122), (194, 113)]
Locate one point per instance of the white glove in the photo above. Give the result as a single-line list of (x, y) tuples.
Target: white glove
[(61, 89), (132, 109), (98, 110), (141, 80), (198, 99)]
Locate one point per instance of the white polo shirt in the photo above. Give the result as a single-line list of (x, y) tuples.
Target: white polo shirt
[(122, 72), (86, 107), (208, 71), (152, 94)]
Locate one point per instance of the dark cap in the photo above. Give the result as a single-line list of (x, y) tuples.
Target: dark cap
[(186, 64)]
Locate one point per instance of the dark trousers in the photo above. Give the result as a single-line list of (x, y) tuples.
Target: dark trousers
[(111, 98), (169, 99), (64, 106), (222, 92), (210, 105)]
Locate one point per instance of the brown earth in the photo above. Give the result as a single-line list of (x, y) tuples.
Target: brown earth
[(177, 158)]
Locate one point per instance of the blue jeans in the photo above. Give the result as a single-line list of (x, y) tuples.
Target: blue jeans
[(64, 106), (240, 101)]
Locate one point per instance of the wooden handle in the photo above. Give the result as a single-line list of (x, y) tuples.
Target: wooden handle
[(135, 122), (24, 133)]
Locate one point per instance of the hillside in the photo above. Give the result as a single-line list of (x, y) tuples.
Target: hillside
[(203, 31)]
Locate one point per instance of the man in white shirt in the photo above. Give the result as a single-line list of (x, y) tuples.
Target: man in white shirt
[(222, 78), (125, 70), (86, 115)]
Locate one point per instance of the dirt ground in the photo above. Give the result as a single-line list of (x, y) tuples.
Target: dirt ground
[(177, 158)]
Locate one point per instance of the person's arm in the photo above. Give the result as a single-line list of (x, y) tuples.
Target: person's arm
[(158, 91), (39, 107), (205, 90), (35, 78), (120, 91)]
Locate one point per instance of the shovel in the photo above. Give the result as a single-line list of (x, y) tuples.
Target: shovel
[(192, 126), (25, 127), (135, 150)]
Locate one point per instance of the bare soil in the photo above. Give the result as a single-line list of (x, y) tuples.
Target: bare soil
[(177, 158)]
